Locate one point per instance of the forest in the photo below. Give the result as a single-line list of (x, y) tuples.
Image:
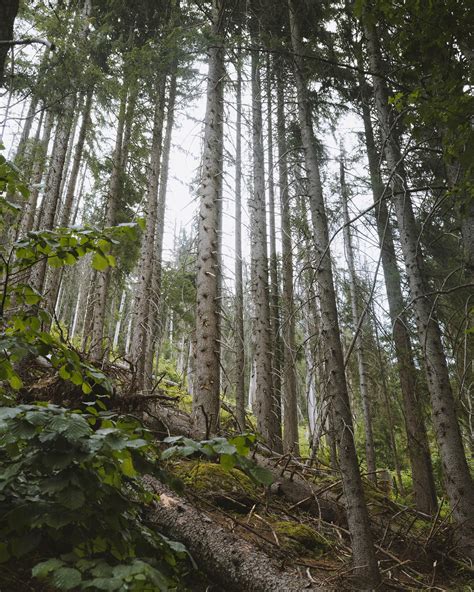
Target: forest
[(236, 295)]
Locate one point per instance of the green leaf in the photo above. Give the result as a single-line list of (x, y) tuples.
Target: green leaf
[(73, 499), (228, 461), (86, 388), (127, 467), (66, 578), (260, 475), (99, 262), (15, 382), (64, 372), (41, 570)]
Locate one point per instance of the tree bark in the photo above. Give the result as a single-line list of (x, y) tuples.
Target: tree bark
[(239, 293), (140, 341), (40, 155), (155, 297), (290, 411), (365, 564), (458, 481), (206, 385), (52, 190), (71, 189), (355, 307), (417, 440), (8, 12), (265, 407), (228, 559), (292, 441), (102, 278)]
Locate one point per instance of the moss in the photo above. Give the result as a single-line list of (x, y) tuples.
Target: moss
[(300, 538), (205, 476)]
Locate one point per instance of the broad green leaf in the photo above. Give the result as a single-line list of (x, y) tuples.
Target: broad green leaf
[(99, 262), (228, 461), (66, 578), (41, 570)]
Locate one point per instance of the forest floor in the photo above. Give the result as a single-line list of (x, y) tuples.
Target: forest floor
[(296, 527)]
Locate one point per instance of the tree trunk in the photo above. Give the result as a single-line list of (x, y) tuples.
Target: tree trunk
[(141, 322), (290, 411), (292, 441), (8, 12), (102, 279), (361, 361), (52, 190), (239, 293), (206, 385), (155, 297), (234, 563), (365, 564), (71, 189), (40, 155), (417, 440), (458, 481), (265, 408)]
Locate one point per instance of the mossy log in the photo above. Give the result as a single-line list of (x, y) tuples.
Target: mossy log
[(295, 490), (230, 561)]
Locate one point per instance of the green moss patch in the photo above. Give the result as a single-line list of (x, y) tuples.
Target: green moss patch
[(211, 477), (300, 538)]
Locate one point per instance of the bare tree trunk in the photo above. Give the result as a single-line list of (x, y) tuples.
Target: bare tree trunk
[(265, 407), (458, 481), (273, 266), (141, 321), (155, 296), (290, 411), (71, 189), (361, 361), (53, 184), (417, 439), (102, 279), (206, 386), (40, 155), (365, 563), (239, 294)]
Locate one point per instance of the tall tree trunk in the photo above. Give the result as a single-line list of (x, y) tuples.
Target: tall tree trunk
[(141, 321), (52, 190), (40, 155), (71, 189), (206, 386), (361, 361), (458, 481), (156, 279), (273, 266), (290, 411), (365, 563), (239, 293), (417, 440), (265, 407), (102, 278)]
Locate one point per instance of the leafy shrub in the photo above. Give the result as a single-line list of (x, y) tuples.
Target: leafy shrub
[(72, 502)]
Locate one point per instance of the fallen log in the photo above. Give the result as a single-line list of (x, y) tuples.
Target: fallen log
[(297, 491), (233, 562)]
